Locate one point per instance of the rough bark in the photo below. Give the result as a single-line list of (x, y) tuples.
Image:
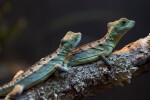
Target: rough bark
[(86, 80)]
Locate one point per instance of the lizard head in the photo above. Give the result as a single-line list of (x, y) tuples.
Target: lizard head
[(120, 27), (71, 40)]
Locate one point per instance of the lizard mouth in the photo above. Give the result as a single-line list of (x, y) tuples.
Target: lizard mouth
[(131, 24)]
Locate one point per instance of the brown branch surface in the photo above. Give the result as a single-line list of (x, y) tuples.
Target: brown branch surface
[(86, 80)]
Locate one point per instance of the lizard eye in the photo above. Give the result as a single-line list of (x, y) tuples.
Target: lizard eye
[(123, 23)]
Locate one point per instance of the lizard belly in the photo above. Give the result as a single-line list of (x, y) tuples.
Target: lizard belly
[(74, 62), (81, 57)]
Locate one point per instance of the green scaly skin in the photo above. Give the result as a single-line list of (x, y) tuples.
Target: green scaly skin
[(101, 48), (43, 68)]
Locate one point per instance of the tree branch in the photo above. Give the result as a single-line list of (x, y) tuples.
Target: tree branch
[(86, 80)]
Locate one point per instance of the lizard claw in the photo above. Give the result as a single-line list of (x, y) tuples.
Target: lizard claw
[(65, 73)]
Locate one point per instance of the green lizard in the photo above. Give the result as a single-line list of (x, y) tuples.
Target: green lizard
[(42, 69), (101, 48)]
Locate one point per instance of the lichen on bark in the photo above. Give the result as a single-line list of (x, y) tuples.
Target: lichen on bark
[(88, 79)]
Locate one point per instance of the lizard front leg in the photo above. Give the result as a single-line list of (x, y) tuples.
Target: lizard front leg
[(17, 90), (61, 70), (104, 59), (107, 62)]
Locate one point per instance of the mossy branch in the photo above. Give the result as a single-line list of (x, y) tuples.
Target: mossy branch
[(86, 80)]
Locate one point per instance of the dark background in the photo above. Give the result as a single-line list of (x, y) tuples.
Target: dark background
[(32, 29)]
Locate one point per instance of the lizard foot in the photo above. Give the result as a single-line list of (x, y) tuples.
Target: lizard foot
[(18, 89)]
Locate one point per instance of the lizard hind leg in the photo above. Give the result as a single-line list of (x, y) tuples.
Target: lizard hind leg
[(18, 73), (17, 90)]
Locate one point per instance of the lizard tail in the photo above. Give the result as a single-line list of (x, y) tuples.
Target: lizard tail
[(5, 89)]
